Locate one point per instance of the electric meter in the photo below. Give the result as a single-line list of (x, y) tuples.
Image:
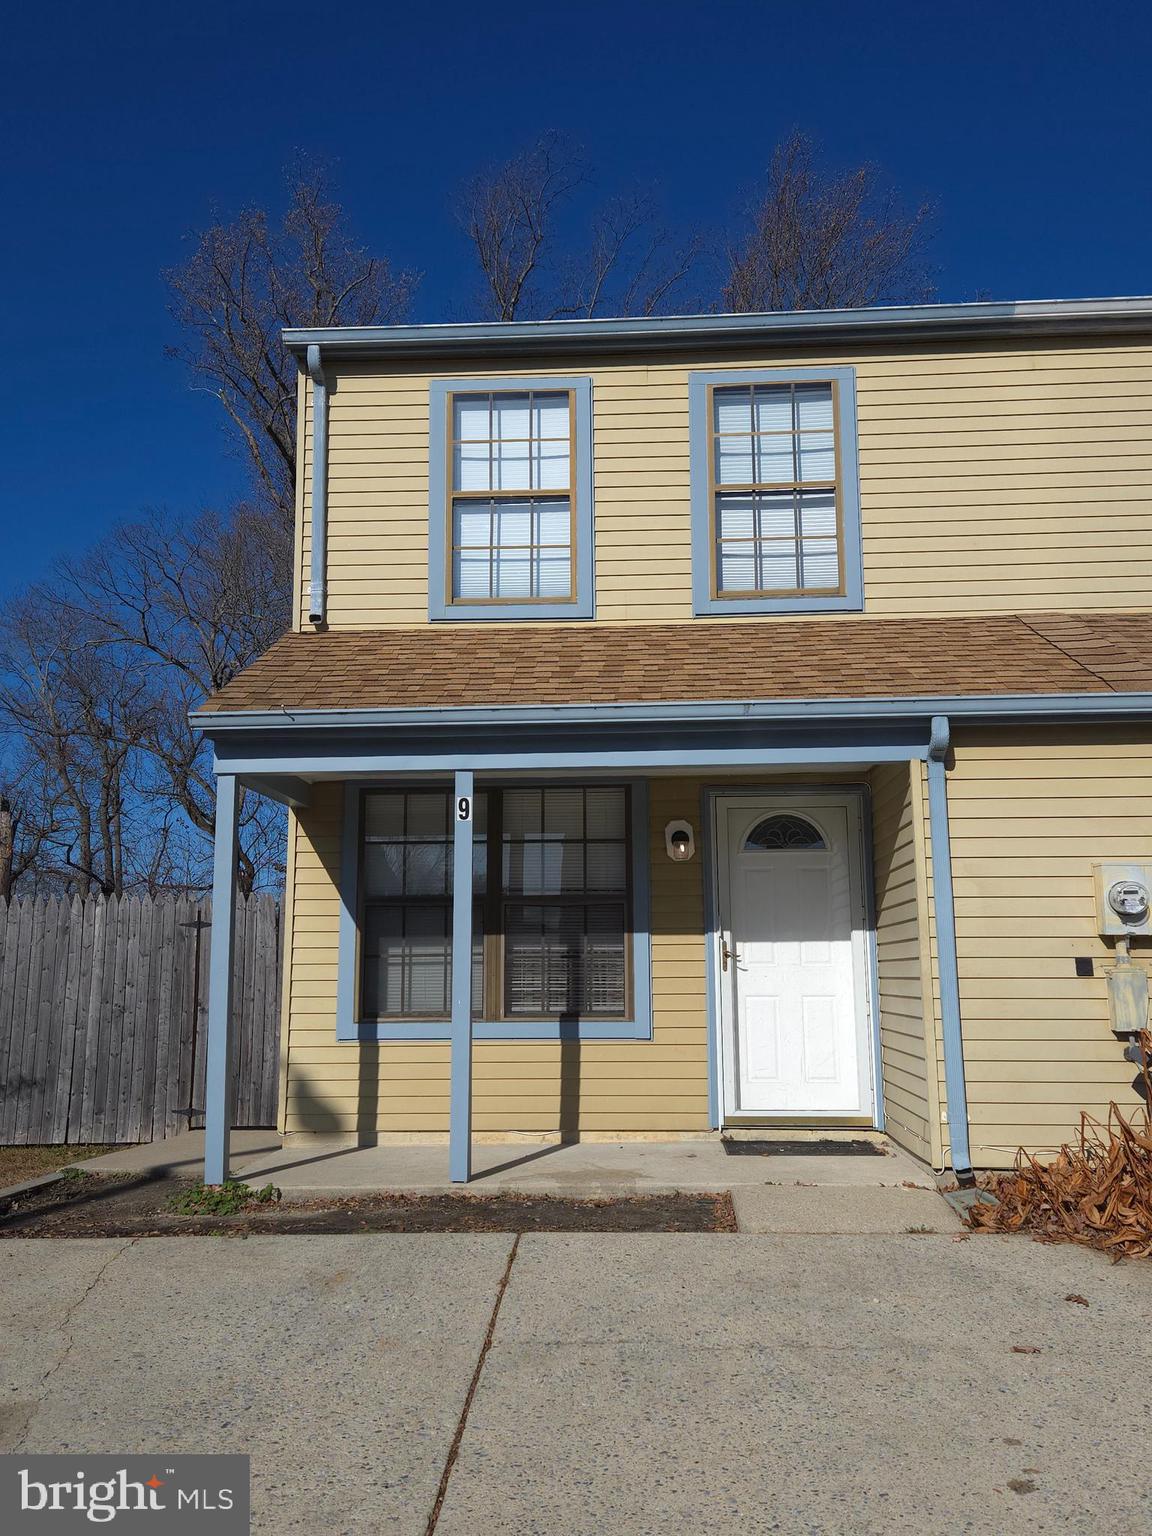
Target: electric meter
[(1129, 899), (1124, 897)]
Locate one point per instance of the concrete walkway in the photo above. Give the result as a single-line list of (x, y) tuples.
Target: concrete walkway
[(728, 1384), (581, 1168), (852, 1194)]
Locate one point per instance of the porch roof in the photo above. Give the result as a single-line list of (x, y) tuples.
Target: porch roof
[(495, 666)]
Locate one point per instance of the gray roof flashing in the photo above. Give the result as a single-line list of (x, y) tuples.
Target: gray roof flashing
[(1031, 317)]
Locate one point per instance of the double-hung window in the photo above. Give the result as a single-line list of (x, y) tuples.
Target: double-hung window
[(553, 913), (775, 501), (510, 476)]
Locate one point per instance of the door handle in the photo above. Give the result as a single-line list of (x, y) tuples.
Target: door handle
[(727, 954)]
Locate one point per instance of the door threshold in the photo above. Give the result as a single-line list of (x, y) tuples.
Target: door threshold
[(744, 1124)]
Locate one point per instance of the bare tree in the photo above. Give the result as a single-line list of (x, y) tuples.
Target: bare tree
[(80, 719), (102, 665), (23, 826), (185, 605), (99, 668), (823, 241), (510, 212), (7, 847), (631, 266), (246, 280)]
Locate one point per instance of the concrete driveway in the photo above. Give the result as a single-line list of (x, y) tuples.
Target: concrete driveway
[(744, 1383)]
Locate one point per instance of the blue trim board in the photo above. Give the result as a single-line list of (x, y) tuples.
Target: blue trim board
[(219, 1077), (711, 936), (869, 856), (951, 1028), (460, 1086), (574, 761), (348, 942), (582, 603), (851, 600), (624, 749), (350, 1028)]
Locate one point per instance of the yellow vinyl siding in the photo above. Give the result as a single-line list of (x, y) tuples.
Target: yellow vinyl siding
[(907, 1046), (1030, 811), (532, 1086), (995, 478)]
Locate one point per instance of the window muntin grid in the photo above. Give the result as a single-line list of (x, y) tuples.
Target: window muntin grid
[(512, 501), (552, 935), (776, 524)]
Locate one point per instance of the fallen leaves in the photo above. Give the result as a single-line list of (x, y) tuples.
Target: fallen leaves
[(1097, 1192), (1080, 1301), (1025, 1349)]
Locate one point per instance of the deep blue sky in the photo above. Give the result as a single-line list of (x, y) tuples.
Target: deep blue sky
[(125, 125)]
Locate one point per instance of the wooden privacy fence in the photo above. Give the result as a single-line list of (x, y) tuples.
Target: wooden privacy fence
[(103, 1016)]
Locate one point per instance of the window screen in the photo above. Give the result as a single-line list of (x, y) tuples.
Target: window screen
[(511, 507), (775, 519), (552, 915)]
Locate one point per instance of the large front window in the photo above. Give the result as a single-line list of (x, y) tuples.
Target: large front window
[(552, 918)]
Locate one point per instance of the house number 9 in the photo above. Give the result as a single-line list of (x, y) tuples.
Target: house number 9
[(464, 808)]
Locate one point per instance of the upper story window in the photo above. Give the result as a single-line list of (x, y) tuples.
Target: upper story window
[(511, 499), (775, 502)]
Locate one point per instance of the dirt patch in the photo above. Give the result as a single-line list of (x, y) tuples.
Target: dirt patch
[(18, 1164), (129, 1206)]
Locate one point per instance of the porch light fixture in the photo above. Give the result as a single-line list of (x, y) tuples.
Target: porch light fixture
[(680, 841)]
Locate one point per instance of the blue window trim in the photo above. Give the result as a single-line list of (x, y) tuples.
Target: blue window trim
[(348, 1027), (851, 600), (582, 603)]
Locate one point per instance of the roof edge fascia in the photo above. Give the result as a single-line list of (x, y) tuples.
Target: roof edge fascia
[(1101, 704)]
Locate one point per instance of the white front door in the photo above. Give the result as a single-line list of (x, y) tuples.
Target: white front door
[(792, 960)]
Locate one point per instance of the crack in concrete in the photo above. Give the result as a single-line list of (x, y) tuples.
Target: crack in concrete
[(69, 1337), (462, 1422)]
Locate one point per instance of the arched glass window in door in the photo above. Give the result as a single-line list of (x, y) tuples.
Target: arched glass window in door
[(783, 832)]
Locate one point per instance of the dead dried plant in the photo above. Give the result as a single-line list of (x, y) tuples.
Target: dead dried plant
[(1097, 1192)]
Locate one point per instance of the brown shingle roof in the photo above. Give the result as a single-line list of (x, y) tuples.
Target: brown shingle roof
[(1114, 646), (441, 666)]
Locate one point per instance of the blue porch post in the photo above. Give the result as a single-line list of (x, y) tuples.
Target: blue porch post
[(956, 1090), (460, 1099), (218, 1077)]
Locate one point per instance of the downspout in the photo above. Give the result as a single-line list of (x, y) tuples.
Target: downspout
[(956, 1092), (317, 590)]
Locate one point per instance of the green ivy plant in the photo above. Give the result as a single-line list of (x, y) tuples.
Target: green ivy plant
[(226, 1199)]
